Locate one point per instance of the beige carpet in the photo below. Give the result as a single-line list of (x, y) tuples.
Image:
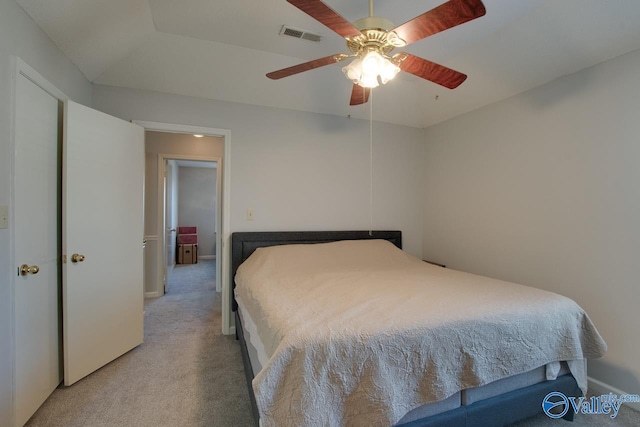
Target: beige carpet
[(185, 374), (188, 374)]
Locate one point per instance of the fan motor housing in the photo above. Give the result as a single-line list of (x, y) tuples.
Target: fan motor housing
[(373, 22), (376, 35)]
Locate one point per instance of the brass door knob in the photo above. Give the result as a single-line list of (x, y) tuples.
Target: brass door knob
[(26, 269), (77, 258)]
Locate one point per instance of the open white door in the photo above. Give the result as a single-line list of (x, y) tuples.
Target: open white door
[(103, 178)]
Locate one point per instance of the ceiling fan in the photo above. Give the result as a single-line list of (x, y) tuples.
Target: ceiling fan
[(372, 39)]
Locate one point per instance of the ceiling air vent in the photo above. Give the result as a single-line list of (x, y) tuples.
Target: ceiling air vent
[(299, 34)]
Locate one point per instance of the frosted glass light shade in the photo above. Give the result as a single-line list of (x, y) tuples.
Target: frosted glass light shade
[(366, 70)]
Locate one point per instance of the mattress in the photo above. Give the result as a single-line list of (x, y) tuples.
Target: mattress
[(258, 357), (359, 330)]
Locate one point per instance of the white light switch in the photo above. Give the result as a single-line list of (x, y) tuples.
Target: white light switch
[(4, 216), (250, 215)]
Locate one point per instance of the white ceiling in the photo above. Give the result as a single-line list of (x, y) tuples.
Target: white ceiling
[(223, 49)]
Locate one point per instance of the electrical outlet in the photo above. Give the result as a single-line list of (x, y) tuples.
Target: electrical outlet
[(250, 214), (4, 216)]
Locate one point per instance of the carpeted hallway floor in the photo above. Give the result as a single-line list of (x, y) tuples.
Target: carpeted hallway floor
[(186, 373)]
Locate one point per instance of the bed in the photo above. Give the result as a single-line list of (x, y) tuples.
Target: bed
[(343, 328)]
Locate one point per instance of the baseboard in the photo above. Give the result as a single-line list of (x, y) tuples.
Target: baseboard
[(232, 330), (151, 294), (206, 257), (599, 388)]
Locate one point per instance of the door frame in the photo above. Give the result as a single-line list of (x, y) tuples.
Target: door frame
[(161, 211), (20, 68), (224, 253)]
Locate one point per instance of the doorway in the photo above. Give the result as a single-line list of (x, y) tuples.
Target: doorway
[(191, 216), (156, 227)]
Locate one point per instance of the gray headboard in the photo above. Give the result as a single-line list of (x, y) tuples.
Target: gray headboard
[(244, 243)]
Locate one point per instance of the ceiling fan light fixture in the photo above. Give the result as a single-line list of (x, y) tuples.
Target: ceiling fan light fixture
[(371, 68)]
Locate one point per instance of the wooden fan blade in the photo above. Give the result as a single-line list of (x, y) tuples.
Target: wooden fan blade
[(443, 17), (324, 14), (306, 66), (359, 95), (431, 71)]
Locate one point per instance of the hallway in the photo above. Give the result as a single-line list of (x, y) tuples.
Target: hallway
[(186, 373), (186, 278)]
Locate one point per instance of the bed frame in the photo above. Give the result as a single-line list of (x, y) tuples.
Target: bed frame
[(497, 411)]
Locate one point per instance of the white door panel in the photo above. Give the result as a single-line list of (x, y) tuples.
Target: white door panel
[(37, 296), (103, 174)]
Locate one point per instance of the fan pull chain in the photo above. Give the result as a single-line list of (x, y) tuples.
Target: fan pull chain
[(371, 163)]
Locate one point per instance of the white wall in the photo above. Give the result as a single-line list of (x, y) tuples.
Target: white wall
[(20, 37), (197, 205), (544, 189), (299, 170)]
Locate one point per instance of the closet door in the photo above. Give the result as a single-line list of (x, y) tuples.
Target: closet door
[(37, 247)]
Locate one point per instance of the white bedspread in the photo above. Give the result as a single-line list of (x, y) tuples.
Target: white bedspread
[(358, 332)]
